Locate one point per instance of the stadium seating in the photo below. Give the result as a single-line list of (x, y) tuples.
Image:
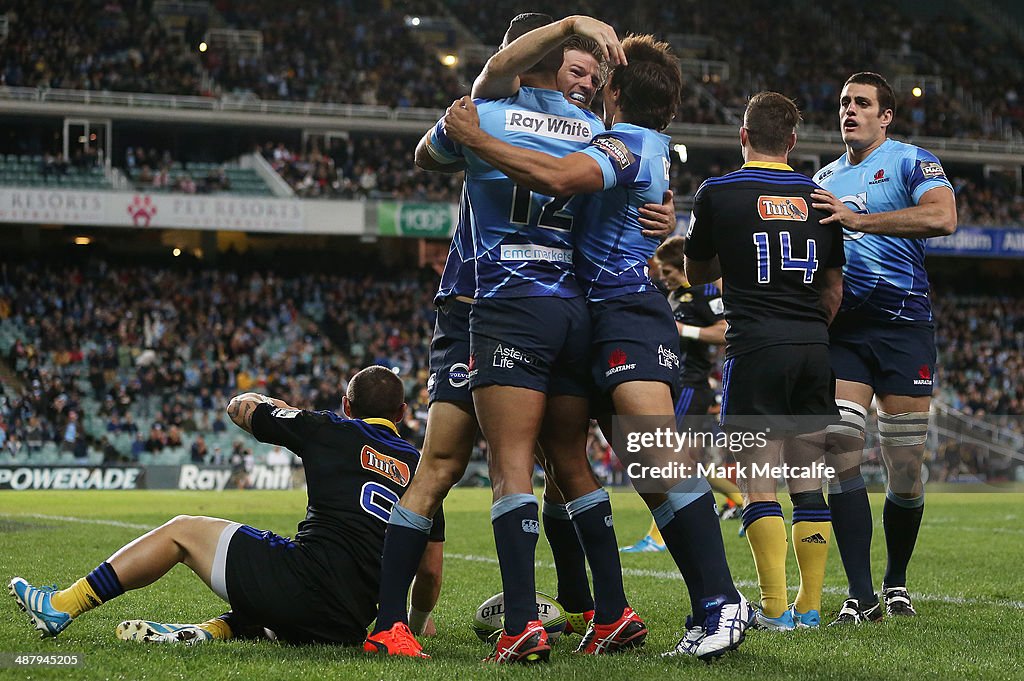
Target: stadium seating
[(117, 348), (356, 53), (36, 170), (363, 166), (114, 353)]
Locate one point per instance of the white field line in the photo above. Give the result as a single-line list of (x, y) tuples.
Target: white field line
[(833, 590), (632, 572), (73, 519)]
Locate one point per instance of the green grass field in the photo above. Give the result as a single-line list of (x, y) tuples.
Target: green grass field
[(966, 576)]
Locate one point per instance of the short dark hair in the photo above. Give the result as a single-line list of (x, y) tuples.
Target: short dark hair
[(375, 392), (523, 24), (651, 84), (770, 119), (886, 95), (672, 252)]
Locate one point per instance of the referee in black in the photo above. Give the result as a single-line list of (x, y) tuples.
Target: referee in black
[(782, 280)]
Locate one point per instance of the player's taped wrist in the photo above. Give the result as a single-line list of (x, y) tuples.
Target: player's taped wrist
[(687, 331), (418, 620)]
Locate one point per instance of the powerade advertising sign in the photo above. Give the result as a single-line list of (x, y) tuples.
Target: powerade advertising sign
[(187, 477), (70, 477), (979, 242)]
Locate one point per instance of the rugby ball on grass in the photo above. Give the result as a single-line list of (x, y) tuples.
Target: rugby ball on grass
[(489, 617)]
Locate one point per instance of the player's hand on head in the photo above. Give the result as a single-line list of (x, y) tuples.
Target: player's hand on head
[(659, 219), (461, 120), (601, 33)]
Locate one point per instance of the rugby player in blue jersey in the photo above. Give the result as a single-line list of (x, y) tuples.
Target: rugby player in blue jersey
[(889, 197), (447, 453), (633, 327)]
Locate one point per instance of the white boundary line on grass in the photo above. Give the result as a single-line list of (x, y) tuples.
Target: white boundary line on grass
[(632, 572), (73, 519), (834, 590)]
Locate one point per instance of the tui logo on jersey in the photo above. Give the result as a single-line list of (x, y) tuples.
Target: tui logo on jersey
[(616, 150), (931, 170), (547, 125), (782, 208), (388, 466)]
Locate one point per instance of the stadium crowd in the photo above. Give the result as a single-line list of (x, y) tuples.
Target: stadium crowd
[(356, 52), (153, 355), (106, 358), (981, 342), (361, 167)]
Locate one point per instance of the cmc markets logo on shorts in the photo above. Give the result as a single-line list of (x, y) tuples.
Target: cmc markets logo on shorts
[(382, 464), (458, 375), (782, 208), (924, 375), (618, 361), (667, 358), (425, 220), (505, 357)]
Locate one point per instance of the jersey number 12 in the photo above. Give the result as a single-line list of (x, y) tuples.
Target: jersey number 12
[(552, 215), (808, 265)]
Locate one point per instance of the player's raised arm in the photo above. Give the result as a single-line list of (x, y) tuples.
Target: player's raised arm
[(574, 174), (241, 407), (500, 76), (429, 160)]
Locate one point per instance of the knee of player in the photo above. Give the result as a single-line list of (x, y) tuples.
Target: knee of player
[(837, 443), (848, 434), (906, 430), (442, 474), (181, 521)]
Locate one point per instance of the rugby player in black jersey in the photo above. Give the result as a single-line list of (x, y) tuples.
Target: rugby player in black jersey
[(321, 586), (782, 276)]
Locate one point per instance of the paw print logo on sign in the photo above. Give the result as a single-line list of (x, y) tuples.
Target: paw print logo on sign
[(142, 209)]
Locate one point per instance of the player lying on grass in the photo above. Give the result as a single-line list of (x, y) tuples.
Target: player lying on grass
[(321, 586)]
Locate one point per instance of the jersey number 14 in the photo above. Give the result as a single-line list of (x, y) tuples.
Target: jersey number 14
[(808, 265)]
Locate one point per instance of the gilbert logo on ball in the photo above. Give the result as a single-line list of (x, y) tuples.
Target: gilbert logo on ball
[(489, 617)]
